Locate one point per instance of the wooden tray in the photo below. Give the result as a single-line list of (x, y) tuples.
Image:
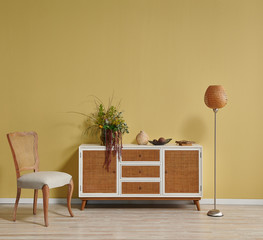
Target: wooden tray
[(184, 143)]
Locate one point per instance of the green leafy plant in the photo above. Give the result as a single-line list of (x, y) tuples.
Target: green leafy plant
[(111, 124), (110, 119)]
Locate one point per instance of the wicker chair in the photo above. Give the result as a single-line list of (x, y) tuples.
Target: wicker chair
[(24, 147)]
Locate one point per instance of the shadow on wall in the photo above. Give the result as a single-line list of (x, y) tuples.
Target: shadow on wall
[(91, 136), (193, 128), (70, 167)]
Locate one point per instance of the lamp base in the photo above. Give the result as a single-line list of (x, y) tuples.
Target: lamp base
[(215, 213)]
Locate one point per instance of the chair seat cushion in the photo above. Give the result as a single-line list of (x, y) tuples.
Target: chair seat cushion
[(37, 180)]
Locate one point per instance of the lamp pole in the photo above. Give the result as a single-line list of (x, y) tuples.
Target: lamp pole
[(215, 212)]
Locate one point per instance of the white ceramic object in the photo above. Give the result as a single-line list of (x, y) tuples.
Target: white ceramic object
[(142, 138)]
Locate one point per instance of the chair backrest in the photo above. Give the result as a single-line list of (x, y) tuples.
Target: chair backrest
[(24, 149)]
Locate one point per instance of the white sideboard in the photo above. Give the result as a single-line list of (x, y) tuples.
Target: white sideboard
[(144, 172)]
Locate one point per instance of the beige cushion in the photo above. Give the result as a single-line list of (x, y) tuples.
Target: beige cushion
[(37, 180)]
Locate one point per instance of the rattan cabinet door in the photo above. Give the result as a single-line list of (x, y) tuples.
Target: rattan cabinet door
[(96, 179), (182, 171)]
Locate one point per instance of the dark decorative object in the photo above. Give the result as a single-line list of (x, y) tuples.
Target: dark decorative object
[(160, 141)]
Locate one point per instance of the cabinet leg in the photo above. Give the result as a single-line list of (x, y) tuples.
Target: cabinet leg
[(196, 202), (83, 204)]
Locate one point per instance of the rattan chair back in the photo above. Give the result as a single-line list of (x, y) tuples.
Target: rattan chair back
[(24, 149)]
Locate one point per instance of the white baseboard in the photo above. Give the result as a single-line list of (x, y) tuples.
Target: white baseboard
[(233, 201), (78, 201), (40, 200)]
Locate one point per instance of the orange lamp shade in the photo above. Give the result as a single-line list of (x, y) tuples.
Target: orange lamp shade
[(215, 97)]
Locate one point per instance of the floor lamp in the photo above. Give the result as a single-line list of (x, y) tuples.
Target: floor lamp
[(215, 98)]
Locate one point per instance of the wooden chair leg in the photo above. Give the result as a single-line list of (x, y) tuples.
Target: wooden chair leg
[(35, 201), (45, 191), (70, 191), (18, 194)]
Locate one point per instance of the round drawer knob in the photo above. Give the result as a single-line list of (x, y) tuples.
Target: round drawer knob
[(140, 188), (140, 171)]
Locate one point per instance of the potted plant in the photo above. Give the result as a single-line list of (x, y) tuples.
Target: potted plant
[(111, 125)]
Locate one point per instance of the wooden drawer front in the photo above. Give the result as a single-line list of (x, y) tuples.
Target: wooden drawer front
[(140, 155), (96, 179), (140, 171), (181, 171), (140, 188)]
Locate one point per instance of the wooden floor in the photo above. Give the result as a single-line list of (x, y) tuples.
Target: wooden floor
[(132, 222)]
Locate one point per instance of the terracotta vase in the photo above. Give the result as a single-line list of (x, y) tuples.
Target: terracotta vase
[(142, 138)]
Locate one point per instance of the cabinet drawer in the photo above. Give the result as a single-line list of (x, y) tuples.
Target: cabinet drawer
[(140, 188), (140, 171), (140, 155)]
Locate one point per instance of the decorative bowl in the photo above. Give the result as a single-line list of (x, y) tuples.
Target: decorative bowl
[(156, 142)]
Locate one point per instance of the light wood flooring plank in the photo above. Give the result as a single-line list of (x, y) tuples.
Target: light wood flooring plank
[(130, 222)]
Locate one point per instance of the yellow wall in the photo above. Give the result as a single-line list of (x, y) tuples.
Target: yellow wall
[(157, 56)]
